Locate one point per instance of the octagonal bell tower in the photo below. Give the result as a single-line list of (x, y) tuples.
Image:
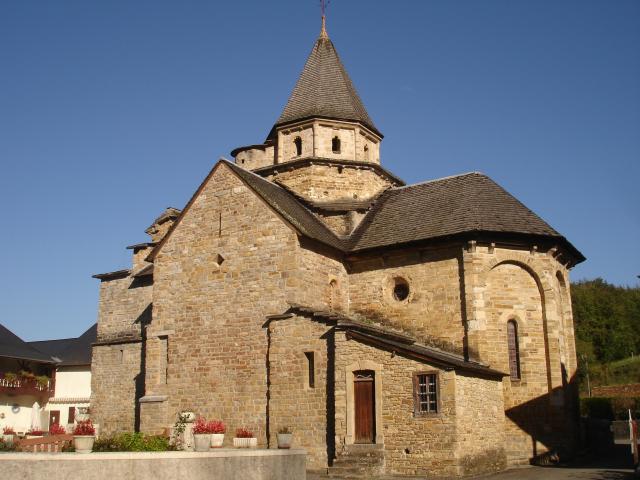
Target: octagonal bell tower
[(324, 146)]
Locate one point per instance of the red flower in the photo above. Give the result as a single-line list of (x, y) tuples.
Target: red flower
[(84, 428), (8, 431), (244, 433), (216, 426), (57, 429), (200, 426)]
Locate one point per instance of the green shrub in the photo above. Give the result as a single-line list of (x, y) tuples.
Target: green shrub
[(7, 447), (131, 442)]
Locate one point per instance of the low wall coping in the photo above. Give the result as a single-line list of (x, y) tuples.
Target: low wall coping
[(218, 453)]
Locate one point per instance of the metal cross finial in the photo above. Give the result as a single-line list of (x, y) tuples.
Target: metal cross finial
[(323, 9)]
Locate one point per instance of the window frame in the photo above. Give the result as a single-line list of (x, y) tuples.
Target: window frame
[(417, 413)]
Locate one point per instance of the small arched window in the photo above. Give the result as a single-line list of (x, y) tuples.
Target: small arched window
[(366, 152), (298, 143), (514, 350), (333, 285), (335, 145)]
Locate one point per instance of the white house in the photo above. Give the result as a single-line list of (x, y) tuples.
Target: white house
[(53, 376)]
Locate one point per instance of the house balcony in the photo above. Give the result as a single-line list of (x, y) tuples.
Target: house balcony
[(26, 385)]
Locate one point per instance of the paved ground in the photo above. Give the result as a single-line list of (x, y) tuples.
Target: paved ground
[(612, 469), (563, 473)]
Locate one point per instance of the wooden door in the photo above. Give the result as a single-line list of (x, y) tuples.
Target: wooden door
[(363, 389), (54, 417)]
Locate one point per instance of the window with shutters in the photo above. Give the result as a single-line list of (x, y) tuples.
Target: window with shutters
[(514, 353), (425, 393)]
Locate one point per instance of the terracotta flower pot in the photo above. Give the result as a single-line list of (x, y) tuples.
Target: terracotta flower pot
[(284, 440), (245, 442), (217, 439), (83, 443), (202, 442)]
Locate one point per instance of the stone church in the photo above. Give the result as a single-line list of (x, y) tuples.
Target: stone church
[(399, 329)]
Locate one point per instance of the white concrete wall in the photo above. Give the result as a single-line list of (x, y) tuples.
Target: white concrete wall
[(73, 382), (20, 421)]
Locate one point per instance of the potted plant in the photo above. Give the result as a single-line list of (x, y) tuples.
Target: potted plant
[(285, 436), (217, 429), (7, 435), (84, 436), (57, 429), (244, 439), (201, 435), (10, 377)]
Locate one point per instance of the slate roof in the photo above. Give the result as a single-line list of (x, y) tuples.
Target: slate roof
[(324, 89), (468, 203), (465, 203), (13, 346), (382, 336)]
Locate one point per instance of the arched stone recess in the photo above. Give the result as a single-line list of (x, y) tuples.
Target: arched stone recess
[(527, 300), (351, 421), (542, 268)]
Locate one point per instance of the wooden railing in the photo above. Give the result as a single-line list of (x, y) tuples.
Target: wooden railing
[(25, 385)]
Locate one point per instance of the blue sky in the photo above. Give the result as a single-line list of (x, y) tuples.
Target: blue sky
[(112, 111)]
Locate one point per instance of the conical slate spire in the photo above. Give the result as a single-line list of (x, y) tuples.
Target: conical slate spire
[(324, 89)]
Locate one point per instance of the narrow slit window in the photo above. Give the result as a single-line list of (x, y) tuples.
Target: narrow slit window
[(425, 387), (514, 350), (335, 145), (298, 144), (311, 369)]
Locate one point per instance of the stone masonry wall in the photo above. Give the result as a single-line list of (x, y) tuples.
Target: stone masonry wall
[(433, 308), (332, 182), (505, 284), (123, 303), (226, 266), (293, 401), (413, 445), (124, 306), (480, 425), (114, 373)]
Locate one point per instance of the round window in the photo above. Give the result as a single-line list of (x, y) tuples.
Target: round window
[(400, 289)]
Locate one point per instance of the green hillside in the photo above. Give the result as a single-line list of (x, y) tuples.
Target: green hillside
[(607, 323)]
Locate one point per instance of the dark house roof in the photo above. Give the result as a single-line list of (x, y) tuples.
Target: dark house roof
[(324, 90), (65, 351), (12, 346), (79, 351)]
